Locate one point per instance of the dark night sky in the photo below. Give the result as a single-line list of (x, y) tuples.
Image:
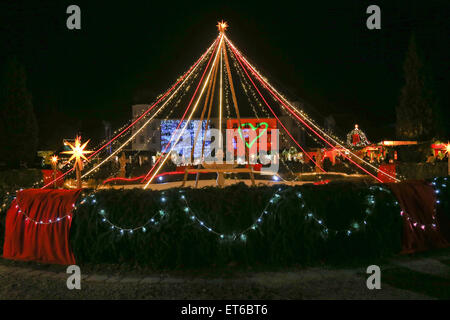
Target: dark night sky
[(322, 53)]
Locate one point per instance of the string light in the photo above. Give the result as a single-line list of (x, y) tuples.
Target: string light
[(189, 118), (283, 100), (276, 196), (148, 110)]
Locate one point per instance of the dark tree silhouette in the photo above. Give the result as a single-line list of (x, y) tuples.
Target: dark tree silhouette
[(417, 112), (18, 125)]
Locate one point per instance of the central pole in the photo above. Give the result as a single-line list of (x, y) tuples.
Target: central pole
[(78, 172)]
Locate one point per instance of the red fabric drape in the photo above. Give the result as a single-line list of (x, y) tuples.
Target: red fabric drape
[(418, 202), (46, 243)]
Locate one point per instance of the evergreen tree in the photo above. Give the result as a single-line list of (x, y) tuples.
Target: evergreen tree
[(417, 112), (18, 125)]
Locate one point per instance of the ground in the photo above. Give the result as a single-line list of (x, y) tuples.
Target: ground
[(425, 276)]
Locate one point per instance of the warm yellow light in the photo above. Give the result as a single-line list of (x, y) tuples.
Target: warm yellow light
[(54, 159), (447, 148), (77, 151), (304, 116), (222, 26), (189, 118)]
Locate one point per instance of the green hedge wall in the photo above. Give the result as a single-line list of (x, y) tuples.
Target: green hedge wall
[(286, 236), (13, 179), (422, 171)]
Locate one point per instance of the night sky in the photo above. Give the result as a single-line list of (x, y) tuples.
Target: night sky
[(128, 52)]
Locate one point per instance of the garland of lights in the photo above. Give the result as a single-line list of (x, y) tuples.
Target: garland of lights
[(152, 222), (231, 237), (362, 138), (242, 235), (49, 221)]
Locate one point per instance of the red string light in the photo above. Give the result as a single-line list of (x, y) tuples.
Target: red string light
[(287, 131), (139, 118), (292, 112), (184, 115)]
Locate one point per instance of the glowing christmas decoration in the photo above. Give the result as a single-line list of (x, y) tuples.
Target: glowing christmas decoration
[(125, 128), (54, 160), (357, 138), (300, 115), (78, 153), (189, 118), (249, 145), (222, 26)]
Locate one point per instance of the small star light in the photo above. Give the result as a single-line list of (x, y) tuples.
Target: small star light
[(54, 159), (77, 152), (222, 26)]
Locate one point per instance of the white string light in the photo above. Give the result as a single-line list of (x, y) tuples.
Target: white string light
[(302, 114)]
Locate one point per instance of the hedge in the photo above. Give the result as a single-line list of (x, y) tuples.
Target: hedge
[(286, 236), (13, 179), (421, 171)]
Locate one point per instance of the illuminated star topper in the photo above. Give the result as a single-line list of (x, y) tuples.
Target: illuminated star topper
[(222, 26), (77, 152)]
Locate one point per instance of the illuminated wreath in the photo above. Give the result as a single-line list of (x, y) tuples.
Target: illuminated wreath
[(357, 138)]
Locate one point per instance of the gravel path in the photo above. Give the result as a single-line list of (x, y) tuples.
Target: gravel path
[(28, 280)]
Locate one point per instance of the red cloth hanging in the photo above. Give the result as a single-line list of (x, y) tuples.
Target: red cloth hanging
[(418, 202), (47, 243)]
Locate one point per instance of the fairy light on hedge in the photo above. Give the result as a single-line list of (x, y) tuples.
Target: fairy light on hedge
[(354, 226), (150, 223), (231, 237)]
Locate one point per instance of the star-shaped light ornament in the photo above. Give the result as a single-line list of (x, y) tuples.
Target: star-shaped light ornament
[(54, 159), (222, 26), (77, 152)]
